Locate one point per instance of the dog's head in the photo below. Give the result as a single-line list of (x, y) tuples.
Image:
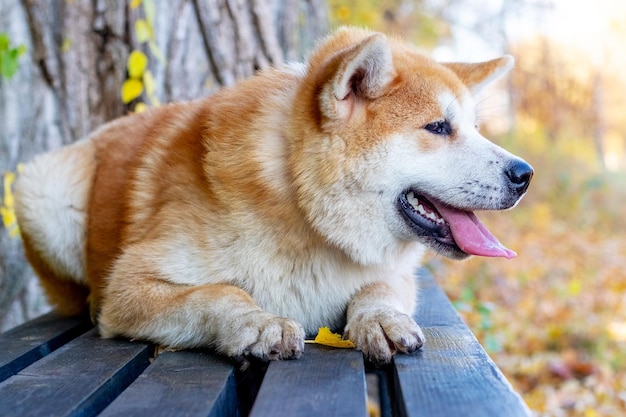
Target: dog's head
[(388, 150)]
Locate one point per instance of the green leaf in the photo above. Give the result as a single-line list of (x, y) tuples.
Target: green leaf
[(8, 65), (4, 42), (9, 56), (467, 295), (485, 309), (492, 344)]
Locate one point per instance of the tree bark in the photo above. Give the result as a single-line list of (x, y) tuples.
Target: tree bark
[(69, 81)]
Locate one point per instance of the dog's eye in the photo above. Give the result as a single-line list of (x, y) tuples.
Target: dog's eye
[(440, 127)]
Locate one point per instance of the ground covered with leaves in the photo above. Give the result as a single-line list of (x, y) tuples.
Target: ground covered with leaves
[(554, 318)]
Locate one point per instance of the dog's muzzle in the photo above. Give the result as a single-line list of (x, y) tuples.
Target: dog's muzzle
[(456, 231)]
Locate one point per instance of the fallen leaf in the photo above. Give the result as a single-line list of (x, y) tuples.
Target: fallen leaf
[(327, 338)]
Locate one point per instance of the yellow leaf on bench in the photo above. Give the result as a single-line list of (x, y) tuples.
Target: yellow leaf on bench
[(327, 338)]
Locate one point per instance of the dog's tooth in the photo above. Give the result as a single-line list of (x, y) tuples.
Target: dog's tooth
[(412, 199)]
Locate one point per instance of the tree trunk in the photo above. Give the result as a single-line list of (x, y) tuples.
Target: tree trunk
[(68, 83)]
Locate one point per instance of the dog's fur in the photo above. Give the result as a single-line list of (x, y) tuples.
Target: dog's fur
[(248, 219)]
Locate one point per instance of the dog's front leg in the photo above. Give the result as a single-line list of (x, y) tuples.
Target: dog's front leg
[(140, 302), (379, 322)]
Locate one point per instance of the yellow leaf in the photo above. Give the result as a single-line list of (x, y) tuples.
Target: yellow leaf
[(140, 107), (157, 52), (8, 217), (134, 4), (66, 45), (143, 31), (131, 89), (148, 82), (328, 338), (149, 85), (14, 231), (6, 211), (137, 63), (574, 287), (343, 13), (9, 178)]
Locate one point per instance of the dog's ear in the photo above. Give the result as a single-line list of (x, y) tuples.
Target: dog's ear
[(363, 71), (479, 75)]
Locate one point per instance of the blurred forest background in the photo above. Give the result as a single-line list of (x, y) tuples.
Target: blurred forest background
[(554, 318)]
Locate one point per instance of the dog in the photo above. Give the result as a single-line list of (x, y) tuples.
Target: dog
[(302, 197)]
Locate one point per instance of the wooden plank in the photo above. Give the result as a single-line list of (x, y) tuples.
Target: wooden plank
[(433, 306), (26, 344), (79, 378), (189, 383), (452, 374), (323, 382)]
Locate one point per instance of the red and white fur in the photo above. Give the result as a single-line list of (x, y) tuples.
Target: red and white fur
[(248, 219)]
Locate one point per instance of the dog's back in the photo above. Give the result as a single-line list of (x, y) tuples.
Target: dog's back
[(78, 206)]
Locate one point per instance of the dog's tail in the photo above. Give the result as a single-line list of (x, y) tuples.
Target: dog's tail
[(51, 199)]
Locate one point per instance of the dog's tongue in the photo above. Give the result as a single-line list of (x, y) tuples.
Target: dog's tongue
[(471, 235)]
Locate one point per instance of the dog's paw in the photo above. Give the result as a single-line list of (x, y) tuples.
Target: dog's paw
[(380, 333), (266, 337)]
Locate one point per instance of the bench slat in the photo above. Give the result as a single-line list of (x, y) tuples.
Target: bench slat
[(452, 374), (26, 344), (323, 382), (79, 378), (433, 305), (188, 383)]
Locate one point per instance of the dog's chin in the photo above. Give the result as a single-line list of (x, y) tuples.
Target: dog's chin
[(428, 227)]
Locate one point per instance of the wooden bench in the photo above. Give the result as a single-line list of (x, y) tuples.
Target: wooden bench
[(55, 366)]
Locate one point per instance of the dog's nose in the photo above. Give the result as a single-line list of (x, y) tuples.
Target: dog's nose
[(519, 173)]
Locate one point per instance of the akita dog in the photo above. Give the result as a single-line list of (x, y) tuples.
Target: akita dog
[(302, 197)]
